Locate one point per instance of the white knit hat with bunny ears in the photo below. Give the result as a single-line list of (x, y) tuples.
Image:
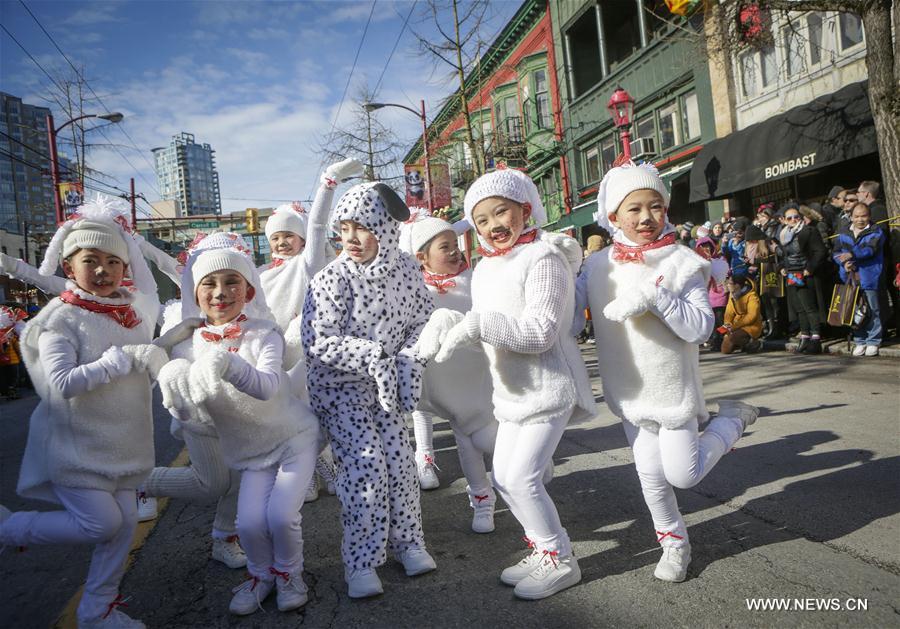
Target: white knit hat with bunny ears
[(101, 223), (219, 252), (289, 217), (507, 183), (621, 181)]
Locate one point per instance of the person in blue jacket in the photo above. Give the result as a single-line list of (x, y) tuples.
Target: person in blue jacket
[(734, 248), (859, 249)]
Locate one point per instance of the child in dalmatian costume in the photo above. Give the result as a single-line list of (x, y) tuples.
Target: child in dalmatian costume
[(227, 374), (652, 294), (362, 317), (458, 390), (90, 440), (523, 295)]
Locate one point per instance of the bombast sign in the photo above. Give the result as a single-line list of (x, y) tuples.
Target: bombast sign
[(790, 165)]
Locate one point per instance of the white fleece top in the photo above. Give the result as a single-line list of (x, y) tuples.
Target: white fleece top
[(524, 302), (649, 363), (87, 431)]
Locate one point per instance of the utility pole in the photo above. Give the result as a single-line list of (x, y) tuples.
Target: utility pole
[(133, 207), (370, 167)]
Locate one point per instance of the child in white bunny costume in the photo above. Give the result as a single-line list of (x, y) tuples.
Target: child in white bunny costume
[(458, 390), (523, 296), (362, 316), (90, 441), (655, 309), (227, 373)]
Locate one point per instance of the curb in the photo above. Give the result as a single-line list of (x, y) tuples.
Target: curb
[(837, 347)]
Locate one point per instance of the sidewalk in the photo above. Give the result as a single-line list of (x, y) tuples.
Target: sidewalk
[(889, 348)]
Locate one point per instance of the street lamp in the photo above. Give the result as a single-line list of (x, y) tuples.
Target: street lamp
[(52, 132), (621, 106), (370, 107)]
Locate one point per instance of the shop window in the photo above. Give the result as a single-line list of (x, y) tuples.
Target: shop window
[(668, 127), (816, 37), (623, 35), (591, 165), (851, 30), (690, 116), (584, 53), (794, 61), (608, 152)]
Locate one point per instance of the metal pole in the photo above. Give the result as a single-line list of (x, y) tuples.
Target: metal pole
[(427, 164), (54, 169), (626, 142), (370, 171), (25, 232), (133, 207), (601, 41)]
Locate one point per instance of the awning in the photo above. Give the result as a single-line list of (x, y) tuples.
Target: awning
[(827, 130), (580, 216)]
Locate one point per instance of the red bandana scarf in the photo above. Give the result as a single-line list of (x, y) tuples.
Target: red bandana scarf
[(524, 239), (629, 253), (123, 314), (231, 332), (277, 262), (443, 282)]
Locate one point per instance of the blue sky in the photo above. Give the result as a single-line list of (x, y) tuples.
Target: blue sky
[(259, 81)]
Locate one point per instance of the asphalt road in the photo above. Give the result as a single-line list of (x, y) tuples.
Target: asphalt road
[(807, 508)]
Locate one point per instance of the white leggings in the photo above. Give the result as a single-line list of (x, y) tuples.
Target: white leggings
[(521, 455), (91, 516), (472, 449), (677, 458), (269, 514), (207, 478), (423, 431)]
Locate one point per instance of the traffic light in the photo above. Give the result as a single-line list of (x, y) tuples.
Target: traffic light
[(252, 220)]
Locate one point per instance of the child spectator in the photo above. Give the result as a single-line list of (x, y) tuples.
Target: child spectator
[(361, 318), (227, 374), (522, 309), (734, 245), (718, 297), (743, 320), (859, 254), (11, 324), (655, 311), (90, 439)]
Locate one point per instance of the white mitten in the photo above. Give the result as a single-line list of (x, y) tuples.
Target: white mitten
[(384, 371), (116, 362), (434, 332), (463, 333), (342, 171), (173, 384), (631, 304), (208, 374), (7, 264), (409, 379), (149, 358)]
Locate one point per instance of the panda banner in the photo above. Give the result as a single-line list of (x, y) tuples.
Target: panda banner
[(417, 185)]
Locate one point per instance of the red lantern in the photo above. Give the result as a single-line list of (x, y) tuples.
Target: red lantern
[(620, 106)]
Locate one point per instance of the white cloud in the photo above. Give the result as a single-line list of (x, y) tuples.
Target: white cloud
[(99, 13)]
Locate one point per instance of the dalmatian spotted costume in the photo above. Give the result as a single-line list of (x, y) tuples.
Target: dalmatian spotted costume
[(360, 323)]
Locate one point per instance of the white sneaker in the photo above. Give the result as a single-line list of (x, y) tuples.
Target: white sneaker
[(291, 591), (416, 561), (483, 503), (229, 552), (363, 583), (249, 595), (514, 574), (871, 350), (327, 472), (312, 491), (859, 350), (425, 468), (146, 507), (113, 620), (552, 575), (747, 413), (673, 564)]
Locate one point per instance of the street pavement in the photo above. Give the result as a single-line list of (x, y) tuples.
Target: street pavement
[(806, 508)]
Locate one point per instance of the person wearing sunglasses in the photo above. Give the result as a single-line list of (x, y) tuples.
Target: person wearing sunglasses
[(802, 250)]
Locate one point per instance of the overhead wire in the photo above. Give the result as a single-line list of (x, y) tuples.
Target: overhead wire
[(396, 43)]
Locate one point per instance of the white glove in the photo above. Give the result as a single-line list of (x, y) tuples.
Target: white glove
[(208, 374), (149, 358), (173, 384), (7, 264), (631, 304), (384, 371), (116, 362), (465, 332), (342, 171), (434, 332)]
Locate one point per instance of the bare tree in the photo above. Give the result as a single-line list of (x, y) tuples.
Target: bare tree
[(366, 139), (459, 47), (880, 18)]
